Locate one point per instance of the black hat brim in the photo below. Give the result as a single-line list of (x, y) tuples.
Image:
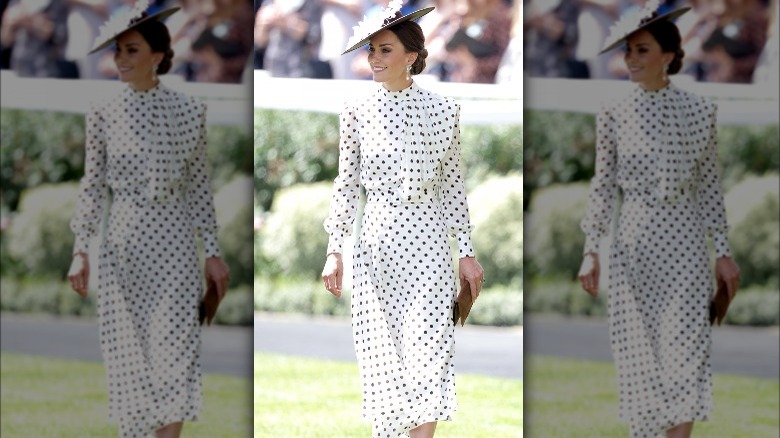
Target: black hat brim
[(667, 16), (412, 16), (162, 15)]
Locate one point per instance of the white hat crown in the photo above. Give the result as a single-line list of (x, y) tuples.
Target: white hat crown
[(370, 24)]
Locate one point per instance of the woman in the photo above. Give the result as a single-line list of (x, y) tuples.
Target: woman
[(147, 145), (658, 144), (402, 144)]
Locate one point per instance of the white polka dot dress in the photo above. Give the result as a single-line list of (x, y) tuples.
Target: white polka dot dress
[(404, 149), (147, 148), (659, 148)]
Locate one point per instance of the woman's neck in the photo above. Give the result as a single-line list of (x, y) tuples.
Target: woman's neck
[(654, 85), (144, 85), (397, 85)]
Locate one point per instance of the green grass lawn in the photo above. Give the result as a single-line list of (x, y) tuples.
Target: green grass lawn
[(312, 398), (44, 397), (573, 398)]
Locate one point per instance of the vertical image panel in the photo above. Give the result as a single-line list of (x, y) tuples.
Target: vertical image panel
[(650, 160), (388, 188), (126, 211)]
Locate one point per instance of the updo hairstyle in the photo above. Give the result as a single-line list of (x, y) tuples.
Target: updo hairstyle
[(668, 37), (156, 34), (411, 36)]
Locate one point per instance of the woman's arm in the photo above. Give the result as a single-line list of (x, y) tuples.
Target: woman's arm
[(712, 211), (92, 192), (200, 200), (601, 200), (343, 204)]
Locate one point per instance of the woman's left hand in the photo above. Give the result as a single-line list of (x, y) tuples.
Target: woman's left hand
[(726, 270), (469, 270), (218, 272)]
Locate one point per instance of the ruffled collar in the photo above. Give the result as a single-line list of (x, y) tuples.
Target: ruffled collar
[(660, 93), (407, 93), (147, 94)]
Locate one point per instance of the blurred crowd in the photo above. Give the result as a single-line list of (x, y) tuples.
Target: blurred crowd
[(211, 39), (724, 40), (467, 40)]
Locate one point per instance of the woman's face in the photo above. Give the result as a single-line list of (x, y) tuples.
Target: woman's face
[(135, 60), (388, 60), (645, 60)]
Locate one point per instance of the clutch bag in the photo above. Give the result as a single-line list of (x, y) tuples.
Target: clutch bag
[(209, 303), (720, 303), (463, 305)]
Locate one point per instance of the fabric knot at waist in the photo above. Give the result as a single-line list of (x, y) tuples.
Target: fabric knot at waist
[(394, 197)]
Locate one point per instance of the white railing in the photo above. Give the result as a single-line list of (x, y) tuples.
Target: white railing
[(228, 104), (481, 104), (738, 104)]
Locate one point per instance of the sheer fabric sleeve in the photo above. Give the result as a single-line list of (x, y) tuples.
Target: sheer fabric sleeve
[(200, 200), (712, 211), (453, 195), (90, 205), (346, 186), (603, 186)]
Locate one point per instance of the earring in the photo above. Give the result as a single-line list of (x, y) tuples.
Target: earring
[(154, 72), (408, 72), (666, 71)]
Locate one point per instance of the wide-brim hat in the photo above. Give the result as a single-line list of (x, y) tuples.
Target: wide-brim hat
[(127, 20), (635, 21), (388, 17)]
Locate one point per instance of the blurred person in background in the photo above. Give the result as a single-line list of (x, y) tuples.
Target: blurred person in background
[(37, 33), (402, 145), (731, 52), (185, 27), (85, 18), (289, 31), (511, 67), (767, 69), (338, 17), (438, 27), (657, 145), (550, 39), (222, 50), (150, 285), (476, 48), (592, 25)]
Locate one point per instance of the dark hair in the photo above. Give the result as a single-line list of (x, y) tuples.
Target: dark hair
[(668, 37), (411, 36), (157, 36)]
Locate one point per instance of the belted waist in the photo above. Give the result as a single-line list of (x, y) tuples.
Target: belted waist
[(393, 198)]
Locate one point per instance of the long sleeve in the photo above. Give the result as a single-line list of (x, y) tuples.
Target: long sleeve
[(346, 186), (85, 224), (712, 212), (453, 196), (200, 200), (601, 200)]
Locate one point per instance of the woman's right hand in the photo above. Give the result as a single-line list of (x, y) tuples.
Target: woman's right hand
[(332, 274), (589, 274), (78, 274)]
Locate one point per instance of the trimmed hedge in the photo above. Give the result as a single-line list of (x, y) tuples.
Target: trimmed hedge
[(559, 147), (41, 147), (293, 147), (293, 235), (554, 240), (495, 208), (753, 208), (39, 238), (57, 298), (233, 203)]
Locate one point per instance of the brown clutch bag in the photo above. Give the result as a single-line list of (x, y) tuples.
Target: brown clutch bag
[(463, 305), (720, 304), (209, 303)]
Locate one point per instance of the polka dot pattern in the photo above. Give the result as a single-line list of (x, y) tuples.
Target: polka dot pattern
[(404, 149), (659, 148), (148, 149)]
